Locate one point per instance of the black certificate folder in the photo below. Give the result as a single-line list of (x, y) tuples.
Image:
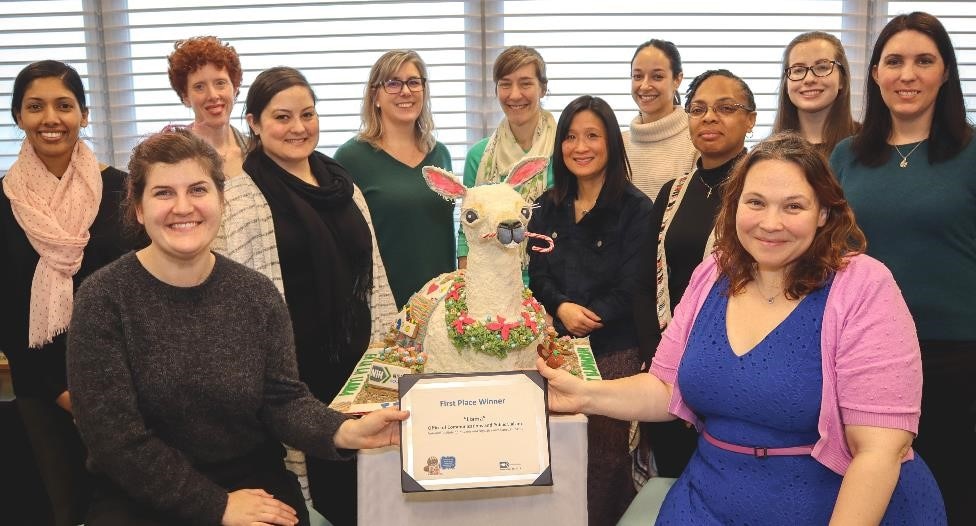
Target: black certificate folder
[(474, 430)]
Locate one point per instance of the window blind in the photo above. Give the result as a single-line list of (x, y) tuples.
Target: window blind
[(120, 48)]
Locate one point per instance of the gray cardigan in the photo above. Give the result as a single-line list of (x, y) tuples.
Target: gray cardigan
[(163, 378)]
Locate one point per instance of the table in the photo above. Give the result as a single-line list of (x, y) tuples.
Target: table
[(563, 503)]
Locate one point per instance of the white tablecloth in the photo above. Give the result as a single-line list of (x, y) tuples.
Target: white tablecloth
[(381, 502)]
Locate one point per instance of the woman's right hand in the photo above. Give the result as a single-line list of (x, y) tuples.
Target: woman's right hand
[(246, 507), (577, 319), (566, 392)]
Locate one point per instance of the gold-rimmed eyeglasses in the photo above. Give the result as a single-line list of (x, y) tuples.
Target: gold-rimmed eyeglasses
[(394, 86), (820, 69), (725, 109)]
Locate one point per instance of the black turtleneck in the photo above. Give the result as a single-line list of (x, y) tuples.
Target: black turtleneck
[(673, 442), (691, 224)]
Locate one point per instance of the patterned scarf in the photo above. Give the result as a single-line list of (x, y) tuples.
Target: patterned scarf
[(503, 151), (55, 213), (663, 292)]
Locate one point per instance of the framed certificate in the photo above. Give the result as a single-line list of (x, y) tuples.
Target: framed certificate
[(479, 430)]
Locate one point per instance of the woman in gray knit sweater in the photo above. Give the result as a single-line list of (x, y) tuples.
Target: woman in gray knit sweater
[(183, 369)]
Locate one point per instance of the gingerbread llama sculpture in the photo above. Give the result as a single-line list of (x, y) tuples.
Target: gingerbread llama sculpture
[(481, 318)]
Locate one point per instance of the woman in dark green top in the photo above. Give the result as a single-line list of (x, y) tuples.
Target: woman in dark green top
[(414, 227)]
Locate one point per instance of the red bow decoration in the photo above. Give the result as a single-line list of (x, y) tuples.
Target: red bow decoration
[(530, 323), (461, 321), (500, 325), (531, 302), (455, 293)]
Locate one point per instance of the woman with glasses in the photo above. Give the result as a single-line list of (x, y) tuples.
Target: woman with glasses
[(598, 219), (793, 354), (721, 112), (414, 226), (815, 93), (335, 283), (59, 223), (659, 147), (527, 130), (910, 176)]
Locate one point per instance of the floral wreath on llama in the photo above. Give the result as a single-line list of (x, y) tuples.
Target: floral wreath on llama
[(493, 337)]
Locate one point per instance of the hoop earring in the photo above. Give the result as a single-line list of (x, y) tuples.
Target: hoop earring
[(749, 135)]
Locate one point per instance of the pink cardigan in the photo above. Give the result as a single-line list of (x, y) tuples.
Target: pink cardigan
[(872, 369)]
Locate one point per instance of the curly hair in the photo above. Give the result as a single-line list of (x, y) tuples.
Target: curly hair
[(193, 53), (839, 238)]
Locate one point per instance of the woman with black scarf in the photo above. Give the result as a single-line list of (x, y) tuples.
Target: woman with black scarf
[(335, 284)]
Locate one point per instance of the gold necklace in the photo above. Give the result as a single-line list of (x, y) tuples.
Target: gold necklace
[(904, 158), (578, 203), (706, 185)]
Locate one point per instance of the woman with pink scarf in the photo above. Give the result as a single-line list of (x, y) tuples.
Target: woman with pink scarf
[(58, 224)]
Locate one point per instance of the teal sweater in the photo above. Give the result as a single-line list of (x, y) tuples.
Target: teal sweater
[(920, 221)]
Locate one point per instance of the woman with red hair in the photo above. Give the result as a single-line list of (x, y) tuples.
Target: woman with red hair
[(794, 355)]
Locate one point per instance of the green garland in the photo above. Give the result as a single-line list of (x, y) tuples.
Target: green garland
[(492, 337)]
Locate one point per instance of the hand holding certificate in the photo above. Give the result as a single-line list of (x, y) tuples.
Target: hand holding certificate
[(474, 431)]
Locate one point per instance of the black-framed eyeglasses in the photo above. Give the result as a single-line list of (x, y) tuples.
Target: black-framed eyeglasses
[(820, 69), (394, 86), (725, 109)]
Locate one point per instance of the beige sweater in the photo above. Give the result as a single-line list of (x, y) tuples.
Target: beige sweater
[(659, 151)]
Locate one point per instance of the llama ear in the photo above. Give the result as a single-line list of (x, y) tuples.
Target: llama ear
[(443, 182), (527, 169)]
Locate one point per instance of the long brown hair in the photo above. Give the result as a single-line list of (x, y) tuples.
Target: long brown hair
[(839, 238), (839, 123), (951, 130)]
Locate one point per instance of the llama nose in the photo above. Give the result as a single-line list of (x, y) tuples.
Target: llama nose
[(510, 231)]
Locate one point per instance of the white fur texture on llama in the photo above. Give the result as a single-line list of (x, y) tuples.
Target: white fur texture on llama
[(482, 318)]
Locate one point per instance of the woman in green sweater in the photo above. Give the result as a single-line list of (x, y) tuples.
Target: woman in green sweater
[(910, 176), (414, 226), (527, 130)]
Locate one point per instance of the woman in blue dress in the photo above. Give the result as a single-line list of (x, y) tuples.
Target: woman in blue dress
[(795, 357)]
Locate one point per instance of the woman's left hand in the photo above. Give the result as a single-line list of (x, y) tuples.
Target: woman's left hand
[(377, 429)]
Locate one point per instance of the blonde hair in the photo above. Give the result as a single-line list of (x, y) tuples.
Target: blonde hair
[(371, 128)]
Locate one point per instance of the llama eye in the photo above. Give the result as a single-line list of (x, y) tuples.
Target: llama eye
[(526, 211), (470, 216)]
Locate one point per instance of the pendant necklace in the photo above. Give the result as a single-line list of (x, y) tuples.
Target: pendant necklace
[(759, 288), (709, 186), (904, 158)]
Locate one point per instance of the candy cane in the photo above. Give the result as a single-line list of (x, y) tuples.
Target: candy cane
[(547, 239)]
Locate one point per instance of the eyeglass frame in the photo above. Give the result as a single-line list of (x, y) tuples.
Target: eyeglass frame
[(699, 105), (402, 83), (809, 69)]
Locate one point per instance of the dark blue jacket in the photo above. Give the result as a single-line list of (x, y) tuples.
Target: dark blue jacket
[(594, 263)]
